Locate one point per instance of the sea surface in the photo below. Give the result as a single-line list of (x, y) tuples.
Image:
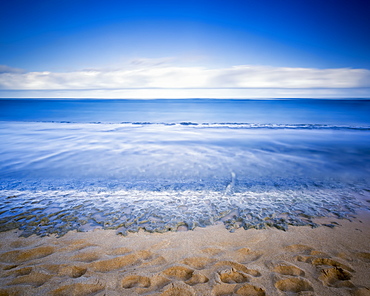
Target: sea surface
[(166, 165)]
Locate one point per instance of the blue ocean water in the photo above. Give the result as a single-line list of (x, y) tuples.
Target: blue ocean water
[(160, 164)]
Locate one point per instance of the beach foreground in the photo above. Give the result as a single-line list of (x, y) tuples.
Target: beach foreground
[(206, 261)]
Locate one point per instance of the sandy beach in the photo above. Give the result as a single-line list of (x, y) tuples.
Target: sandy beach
[(185, 148), (206, 261)]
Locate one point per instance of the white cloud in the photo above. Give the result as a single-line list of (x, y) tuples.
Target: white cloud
[(144, 74)]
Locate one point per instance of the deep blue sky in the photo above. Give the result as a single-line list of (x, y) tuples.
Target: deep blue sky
[(56, 35)]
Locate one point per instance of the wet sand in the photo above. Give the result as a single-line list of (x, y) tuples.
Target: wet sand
[(207, 261)]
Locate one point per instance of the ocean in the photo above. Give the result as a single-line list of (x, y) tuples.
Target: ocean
[(158, 165)]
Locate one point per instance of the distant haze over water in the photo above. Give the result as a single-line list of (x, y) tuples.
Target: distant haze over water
[(350, 112)]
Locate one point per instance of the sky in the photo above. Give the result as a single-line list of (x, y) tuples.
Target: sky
[(185, 49)]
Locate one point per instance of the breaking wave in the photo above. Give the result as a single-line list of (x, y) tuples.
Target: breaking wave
[(231, 125)]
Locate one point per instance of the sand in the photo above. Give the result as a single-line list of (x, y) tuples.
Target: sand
[(206, 261)]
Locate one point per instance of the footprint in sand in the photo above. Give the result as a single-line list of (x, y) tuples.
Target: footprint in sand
[(244, 290), (143, 284), (34, 279), (114, 263), (228, 277), (158, 281), (72, 271), (294, 285), (322, 261), (76, 245), (86, 287), (119, 262), (250, 290), (330, 262), (155, 260), (232, 276), (336, 277), (238, 267), (89, 255), (331, 272), (288, 269), (181, 273), (177, 289), (198, 262), (133, 281), (197, 278), (292, 277), (26, 255), (245, 255)]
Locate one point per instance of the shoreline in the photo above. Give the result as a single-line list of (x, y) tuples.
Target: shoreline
[(62, 211), (205, 261)]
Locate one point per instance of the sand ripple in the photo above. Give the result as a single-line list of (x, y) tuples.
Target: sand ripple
[(210, 261)]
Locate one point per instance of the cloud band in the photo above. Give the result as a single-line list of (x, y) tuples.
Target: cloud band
[(170, 77)]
